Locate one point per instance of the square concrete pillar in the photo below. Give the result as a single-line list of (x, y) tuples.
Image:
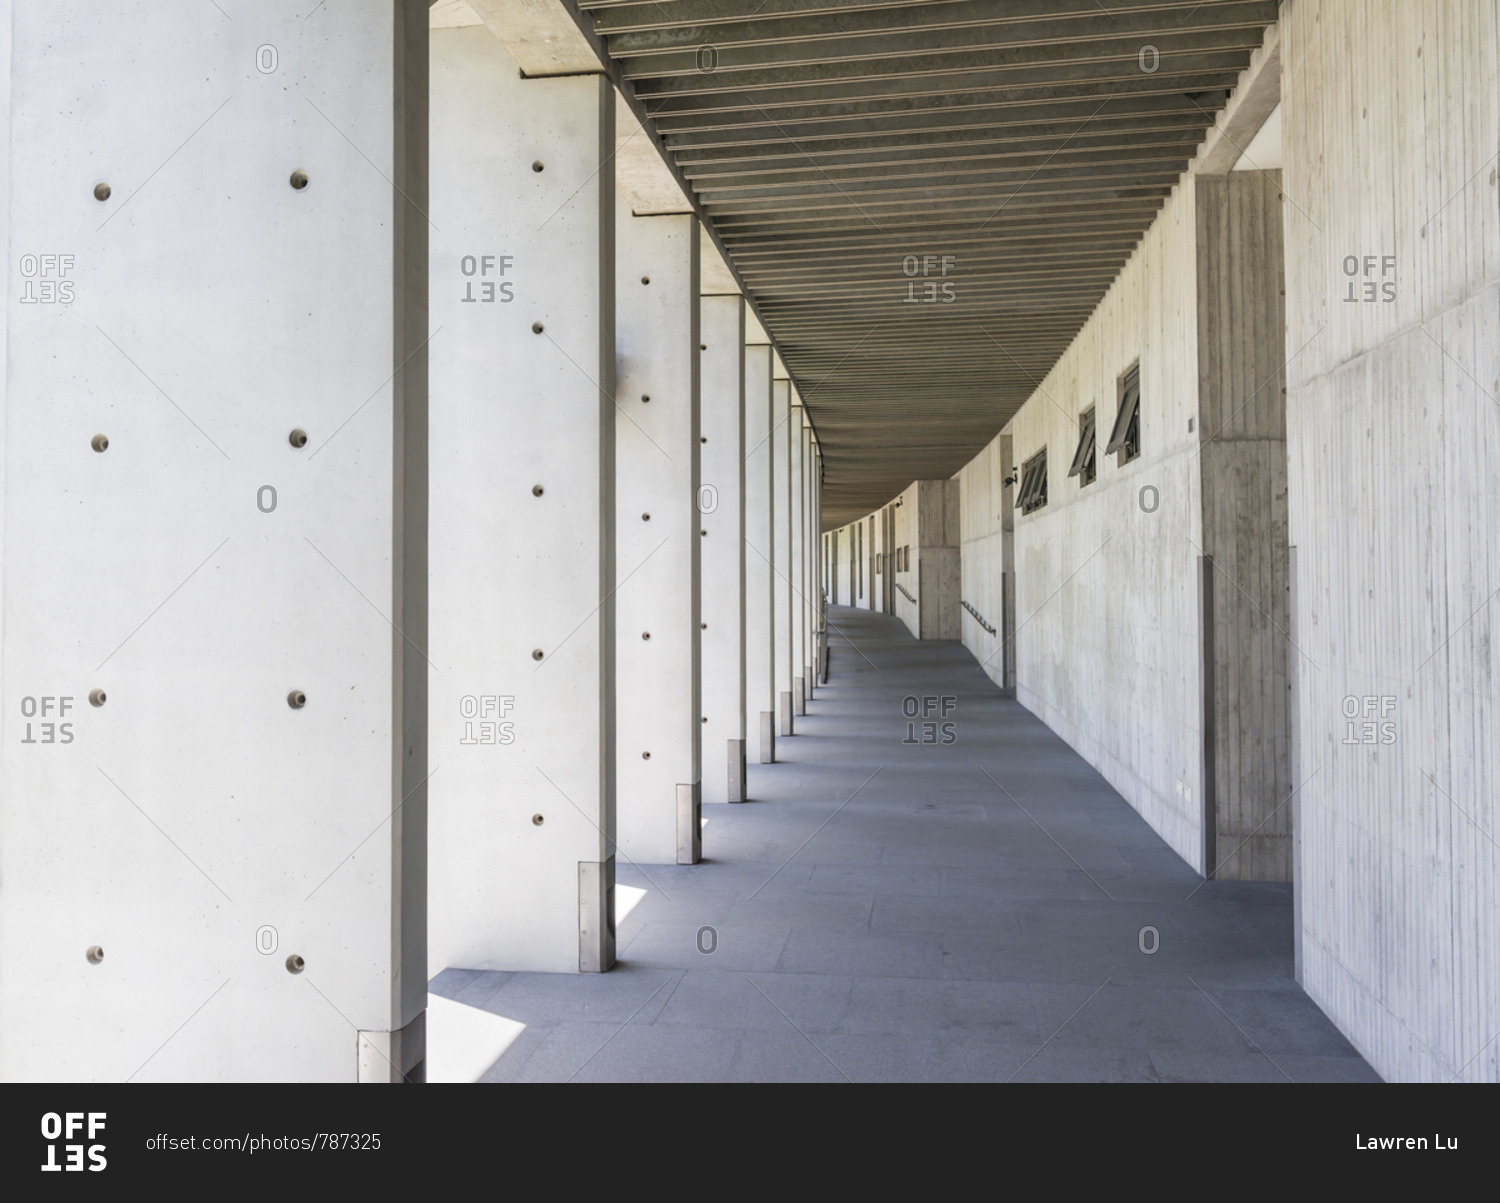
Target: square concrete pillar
[(808, 561), (797, 566), (212, 804), (721, 509), (523, 577), (760, 668), (658, 620), (782, 548)]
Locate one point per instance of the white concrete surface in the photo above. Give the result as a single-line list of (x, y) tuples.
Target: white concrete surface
[(515, 571), (721, 512), (1393, 434), (207, 568), (658, 621)]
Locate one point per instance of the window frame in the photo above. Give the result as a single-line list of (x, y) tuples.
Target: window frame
[(1033, 492), (1086, 457), (1125, 436)]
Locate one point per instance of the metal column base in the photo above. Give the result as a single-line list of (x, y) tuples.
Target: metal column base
[(786, 713), (767, 737), (799, 695), (690, 823), (399, 1056), (736, 770), (596, 916)]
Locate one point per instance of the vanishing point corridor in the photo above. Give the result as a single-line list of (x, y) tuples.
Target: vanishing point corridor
[(893, 907)]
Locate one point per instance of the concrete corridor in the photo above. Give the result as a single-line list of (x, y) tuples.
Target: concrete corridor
[(884, 910)]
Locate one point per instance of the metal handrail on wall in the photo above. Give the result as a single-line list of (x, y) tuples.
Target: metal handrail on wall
[(979, 618), (905, 594)]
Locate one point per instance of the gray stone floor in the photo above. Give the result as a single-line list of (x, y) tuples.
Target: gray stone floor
[(897, 912)]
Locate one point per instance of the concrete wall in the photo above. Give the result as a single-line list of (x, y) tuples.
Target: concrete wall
[(915, 540), (937, 556), (1390, 130), (1242, 432), (1156, 594), (1106, 594), (984, 513)]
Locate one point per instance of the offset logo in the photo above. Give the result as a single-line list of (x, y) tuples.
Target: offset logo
[(490, 709), (44, 280), (53, 732), (482, 266), (929, 706), (66, 1128)]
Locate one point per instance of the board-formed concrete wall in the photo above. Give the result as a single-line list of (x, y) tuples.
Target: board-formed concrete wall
[(1106, 616), (924, 529), (1148, 620), (1393, 432), (984, 519)]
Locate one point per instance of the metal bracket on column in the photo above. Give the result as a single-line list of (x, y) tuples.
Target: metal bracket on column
[(690, 823), (399, 1056), (596, 915), (737, 770)]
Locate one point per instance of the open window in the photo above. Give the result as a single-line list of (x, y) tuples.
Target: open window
[(1126, 436), (1085, 458), (1033, 494)]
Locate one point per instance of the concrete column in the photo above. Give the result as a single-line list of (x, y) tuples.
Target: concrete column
[(213, 743), (523, 565), (821, 592), (1243, 463), (721, 506), (760, 620), (797, 571), (809, 561), (658, 621), (1008, 567), (927, 537), (781, 558)]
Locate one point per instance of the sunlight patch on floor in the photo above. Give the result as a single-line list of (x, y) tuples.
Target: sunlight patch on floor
[(463, 1041)]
